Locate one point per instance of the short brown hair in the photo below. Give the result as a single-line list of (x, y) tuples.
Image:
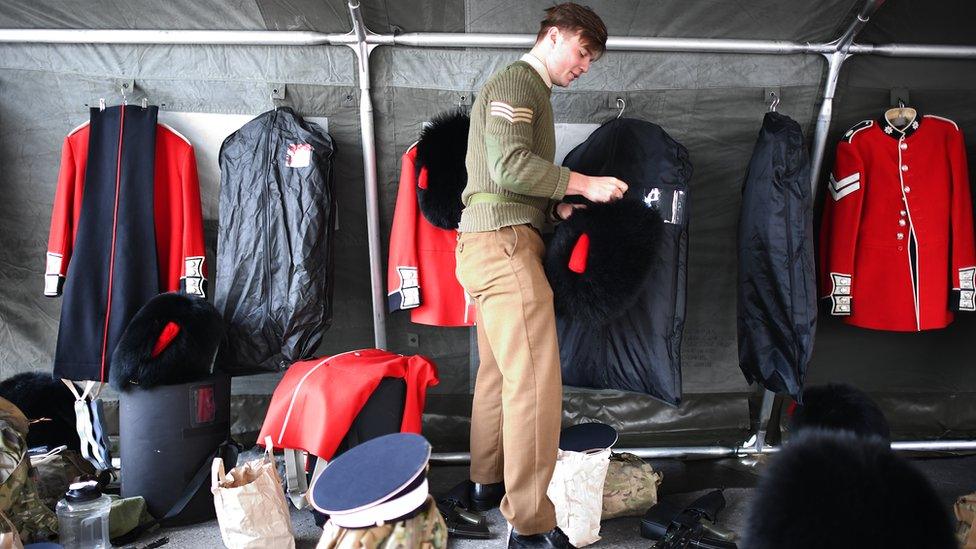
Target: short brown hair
[(576, 18)]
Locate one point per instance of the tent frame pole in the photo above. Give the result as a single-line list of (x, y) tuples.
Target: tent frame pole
[(362, 49), (928, 446), (362, 42)]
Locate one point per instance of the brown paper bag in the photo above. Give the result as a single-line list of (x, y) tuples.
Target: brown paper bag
[(250, 505)]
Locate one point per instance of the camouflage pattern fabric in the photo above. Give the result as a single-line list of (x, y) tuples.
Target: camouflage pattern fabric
[(424, 531), (630, 488), (126, 514), (19, 501), (965, 509), (55, 472)]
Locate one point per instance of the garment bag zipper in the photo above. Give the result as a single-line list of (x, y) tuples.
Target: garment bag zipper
[(267, 217)]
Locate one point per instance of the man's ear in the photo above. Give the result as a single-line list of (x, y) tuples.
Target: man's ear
[(553, 35)]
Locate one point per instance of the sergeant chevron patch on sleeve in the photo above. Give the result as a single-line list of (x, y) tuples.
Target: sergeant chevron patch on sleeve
[(514, 115), (844, 187)]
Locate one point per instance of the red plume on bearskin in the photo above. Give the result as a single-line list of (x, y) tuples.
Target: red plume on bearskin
[(440, 152), (580, 253), (600, 258), (173, 339)]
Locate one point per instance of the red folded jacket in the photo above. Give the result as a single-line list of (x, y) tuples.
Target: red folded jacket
[(317, 400)]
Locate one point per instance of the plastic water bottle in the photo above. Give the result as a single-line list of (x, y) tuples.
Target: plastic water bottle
[(83, 517)]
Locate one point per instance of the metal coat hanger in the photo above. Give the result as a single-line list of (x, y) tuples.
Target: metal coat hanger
[(774, 103), (901, 116), (622, 104)]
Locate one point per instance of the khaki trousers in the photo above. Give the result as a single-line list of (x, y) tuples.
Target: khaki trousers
[(517, 406)]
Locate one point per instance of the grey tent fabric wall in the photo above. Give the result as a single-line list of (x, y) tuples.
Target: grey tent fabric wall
[(712, 103)]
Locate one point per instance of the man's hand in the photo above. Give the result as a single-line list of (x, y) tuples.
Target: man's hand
[(565, 209), (596, 189)]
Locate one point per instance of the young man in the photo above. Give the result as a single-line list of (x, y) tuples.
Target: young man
[(512, 187)]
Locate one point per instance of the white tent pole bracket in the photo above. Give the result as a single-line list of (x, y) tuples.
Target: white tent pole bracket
[(835, 59), (834, 62)]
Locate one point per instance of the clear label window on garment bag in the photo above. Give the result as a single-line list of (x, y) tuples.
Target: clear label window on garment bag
[(669, 202)]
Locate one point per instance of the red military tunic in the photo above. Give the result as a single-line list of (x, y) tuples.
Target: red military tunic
[(317, 400), (420, 275), (896, 243), (126, 225)]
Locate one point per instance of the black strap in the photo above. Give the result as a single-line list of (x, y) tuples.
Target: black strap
[(228, 451)]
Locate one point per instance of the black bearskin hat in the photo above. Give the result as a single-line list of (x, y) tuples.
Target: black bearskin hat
[(440, 154), (599, 259), (839, 490), (840, 406), (173, 339), (48, 404)]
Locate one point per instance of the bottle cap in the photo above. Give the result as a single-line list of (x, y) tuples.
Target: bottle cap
[(79, 492)]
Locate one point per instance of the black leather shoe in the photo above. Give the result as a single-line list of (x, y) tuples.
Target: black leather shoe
[(485, 497), (554, 538)]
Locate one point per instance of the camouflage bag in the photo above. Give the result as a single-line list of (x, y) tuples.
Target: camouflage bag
[(424, 531), (630, 487), (19, 501), (56, 470), (965, 510)]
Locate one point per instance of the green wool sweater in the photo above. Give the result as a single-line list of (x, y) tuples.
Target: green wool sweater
[(511, 145)]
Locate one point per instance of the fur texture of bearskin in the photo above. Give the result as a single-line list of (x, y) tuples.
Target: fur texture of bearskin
[(48, 404), (623, 237), (441, 149), (188, 357), (840, 406), (840, 490)]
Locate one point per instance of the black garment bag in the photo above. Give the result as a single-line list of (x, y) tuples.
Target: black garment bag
[(635, 343), (275, 249), (777, 293)]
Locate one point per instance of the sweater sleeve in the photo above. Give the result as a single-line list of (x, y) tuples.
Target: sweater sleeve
[(512, 113)]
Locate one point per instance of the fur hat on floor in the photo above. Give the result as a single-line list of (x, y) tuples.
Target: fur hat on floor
[(839, 490), (440, 155), (599, 259), (48, 404), (840, 406), (173, 339)]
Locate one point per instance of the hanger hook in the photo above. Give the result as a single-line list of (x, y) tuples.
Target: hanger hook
[(271, 96), (775, 102), (125, 98), (622, 104)]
